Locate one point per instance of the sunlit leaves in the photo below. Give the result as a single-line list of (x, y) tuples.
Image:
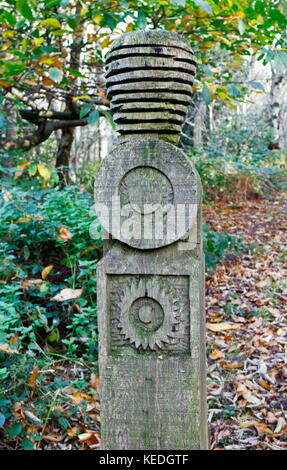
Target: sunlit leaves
[(25, 10), (50, 23)]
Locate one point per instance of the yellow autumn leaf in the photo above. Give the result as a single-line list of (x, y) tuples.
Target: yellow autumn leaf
[(24, 44), (20, 169), (8, 34), (129, 27), (50, 23), (97, 18), (105, 43), (222, 95), (46, 271), (260, 19), (44, 171), (84, 10), (241, 14), (38, 41)]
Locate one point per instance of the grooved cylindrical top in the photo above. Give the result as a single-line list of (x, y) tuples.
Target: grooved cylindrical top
[(149, 83)]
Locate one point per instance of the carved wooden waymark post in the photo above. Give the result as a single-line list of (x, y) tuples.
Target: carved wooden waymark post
[(151, 278)]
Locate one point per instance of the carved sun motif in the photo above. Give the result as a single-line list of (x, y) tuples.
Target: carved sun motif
[(148, 315), (145, 189)]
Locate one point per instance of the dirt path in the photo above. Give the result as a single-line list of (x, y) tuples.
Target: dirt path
[(246, 300)]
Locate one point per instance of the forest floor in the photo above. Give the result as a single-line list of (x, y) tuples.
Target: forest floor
[(246, 309)]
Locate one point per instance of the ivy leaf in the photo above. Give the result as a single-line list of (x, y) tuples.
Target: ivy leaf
[(256, 85), (56, 74), (206, 95), (93, 118), (27, 444), (85, 110), (204, 6), (14, 430)]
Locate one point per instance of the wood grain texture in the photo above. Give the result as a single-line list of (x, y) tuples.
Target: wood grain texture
[(150, 66)]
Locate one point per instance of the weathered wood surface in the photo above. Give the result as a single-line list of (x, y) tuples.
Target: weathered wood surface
[(151, 289), (147, 172), (142, 66), (153, 398)]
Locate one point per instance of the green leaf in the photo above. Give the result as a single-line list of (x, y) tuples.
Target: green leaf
[(109, 118), (85, 110), (141, 22), (14, 430), (206, 95), (32, 169), (241, 26), (256, 85), (110, 20), (64, 423), (26, 252), (27, 444), (93, 118), (2, 420), (56, 74), (23, 7), (204, 6), (283, 57), (11, 20), (232, 91)]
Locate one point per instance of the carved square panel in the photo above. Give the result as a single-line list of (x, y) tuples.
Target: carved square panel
[(149, 313)]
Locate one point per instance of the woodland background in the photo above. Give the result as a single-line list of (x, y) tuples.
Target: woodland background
[(55, 128)]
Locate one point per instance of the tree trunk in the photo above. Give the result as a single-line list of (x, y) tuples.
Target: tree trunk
[(277, 114), (67, 135)]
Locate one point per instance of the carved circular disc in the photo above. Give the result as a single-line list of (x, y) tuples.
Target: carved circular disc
[(146, 194), (147, 315)]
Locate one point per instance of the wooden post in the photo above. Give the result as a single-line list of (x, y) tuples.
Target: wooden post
[(151, 278)]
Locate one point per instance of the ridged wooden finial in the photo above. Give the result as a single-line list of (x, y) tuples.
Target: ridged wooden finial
[(149, 84)]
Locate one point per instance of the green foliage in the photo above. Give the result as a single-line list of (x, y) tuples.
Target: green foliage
[(32, 222), (217, 245), (235, 162)]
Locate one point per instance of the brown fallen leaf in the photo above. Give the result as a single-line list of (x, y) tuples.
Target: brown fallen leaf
[(216, 355), (6, 349), (222, 326), (65, 234), (46, 271), (33, 378), (67, 294)]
